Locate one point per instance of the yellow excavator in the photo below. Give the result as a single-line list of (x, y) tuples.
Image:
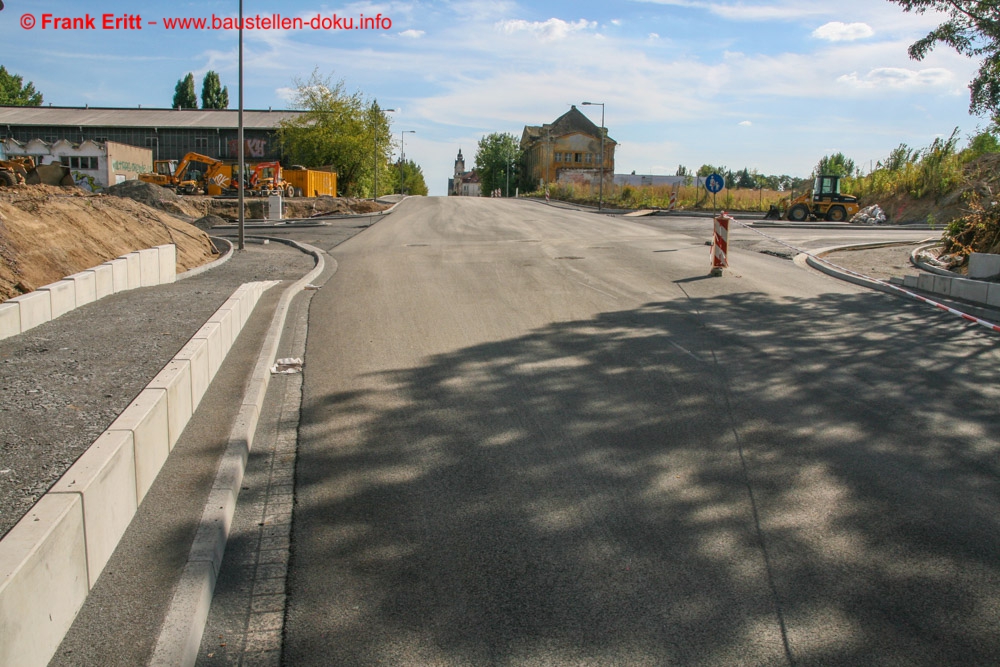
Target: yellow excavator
[(20, 169), (823, 202), (186, 176)]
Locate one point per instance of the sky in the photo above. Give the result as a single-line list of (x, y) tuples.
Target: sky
[(772, 85)]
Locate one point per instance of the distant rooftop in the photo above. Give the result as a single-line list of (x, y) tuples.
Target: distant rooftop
[(255, 119)]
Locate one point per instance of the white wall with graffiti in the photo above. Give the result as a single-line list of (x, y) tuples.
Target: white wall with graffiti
[(93, 164)]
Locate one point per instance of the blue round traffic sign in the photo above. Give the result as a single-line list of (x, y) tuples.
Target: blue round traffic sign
[(714, 183)]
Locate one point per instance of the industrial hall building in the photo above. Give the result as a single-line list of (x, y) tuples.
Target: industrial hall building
[(567, 150), (168, 133)]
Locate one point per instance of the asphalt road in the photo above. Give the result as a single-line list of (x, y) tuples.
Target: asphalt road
[(537, 437)]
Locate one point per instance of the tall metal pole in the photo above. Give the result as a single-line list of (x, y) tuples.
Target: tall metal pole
[(239, 138)]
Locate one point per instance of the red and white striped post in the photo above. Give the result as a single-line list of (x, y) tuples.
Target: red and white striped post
[(720, 243), (673, 199)]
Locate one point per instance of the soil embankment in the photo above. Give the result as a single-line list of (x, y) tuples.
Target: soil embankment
[(48, 233)]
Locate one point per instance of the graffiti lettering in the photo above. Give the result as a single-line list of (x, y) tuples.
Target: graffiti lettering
[(254, 148), (123, 165)]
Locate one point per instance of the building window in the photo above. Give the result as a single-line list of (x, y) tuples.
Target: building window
[(588, 158), (152, 141), (558, 157), (88, 163), (576, 157), (102, 140), (201, 142)]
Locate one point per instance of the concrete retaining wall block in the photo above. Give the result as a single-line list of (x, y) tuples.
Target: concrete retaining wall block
[(146, 419), (175, 379), (62, 296), (86, 287), (43, 580), (134, 263), (104, 280), (10, 319), (104, 477), (167, 263), (149, 267)]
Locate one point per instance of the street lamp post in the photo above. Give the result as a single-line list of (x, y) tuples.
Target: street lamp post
[(402, 154), (241, 240), (375, 121), (600, 200)]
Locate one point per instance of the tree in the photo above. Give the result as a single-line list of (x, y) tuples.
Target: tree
[(413, 179), (213, 95), (682, 171), (338, 129), (707, 170), (15, 93), (498, 160), (745, 180), (184, 94), (972, 29), (834, 165)]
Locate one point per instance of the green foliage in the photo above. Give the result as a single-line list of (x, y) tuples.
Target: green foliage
[(342, 130), (980, 144), (972, 29), (213, 95), (933, 171), (413, 179), (184, 94), (834, 165), (15, 93), (498, 163)]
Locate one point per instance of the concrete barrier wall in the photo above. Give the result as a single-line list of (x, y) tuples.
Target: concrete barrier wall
[(976, 291), (143, 268), (52, 558)]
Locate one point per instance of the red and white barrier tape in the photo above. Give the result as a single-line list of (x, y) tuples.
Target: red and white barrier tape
[(965, 316)]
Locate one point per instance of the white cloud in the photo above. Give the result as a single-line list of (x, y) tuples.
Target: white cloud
[(897, 77), (412, 34), (781, 11), (547, 31), (653, 35), (835, 31), (745, 123)]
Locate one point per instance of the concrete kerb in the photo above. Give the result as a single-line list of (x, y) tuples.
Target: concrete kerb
[(226, 256), (182, 629), (982, 310), (76, 526)]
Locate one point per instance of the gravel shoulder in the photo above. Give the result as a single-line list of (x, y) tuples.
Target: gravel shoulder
[(64, 382), (880, 263)]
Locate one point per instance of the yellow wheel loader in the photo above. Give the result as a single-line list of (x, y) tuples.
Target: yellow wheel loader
[(823, 202), (20, 169)]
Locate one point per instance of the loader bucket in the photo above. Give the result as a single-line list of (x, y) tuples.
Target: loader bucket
[(50, 174)]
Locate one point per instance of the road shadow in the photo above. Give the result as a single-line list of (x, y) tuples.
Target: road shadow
[(727, 481)]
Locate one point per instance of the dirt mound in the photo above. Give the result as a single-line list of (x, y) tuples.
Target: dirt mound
[(48, 232), (156, 196)]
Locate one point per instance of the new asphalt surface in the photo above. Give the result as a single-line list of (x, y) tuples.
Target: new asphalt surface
[(538, 437)]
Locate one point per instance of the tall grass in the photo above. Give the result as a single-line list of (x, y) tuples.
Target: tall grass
[(934, 171), (658, 196)]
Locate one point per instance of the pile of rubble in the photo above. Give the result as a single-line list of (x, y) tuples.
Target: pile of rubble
[(154, 196), (870, 215)]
